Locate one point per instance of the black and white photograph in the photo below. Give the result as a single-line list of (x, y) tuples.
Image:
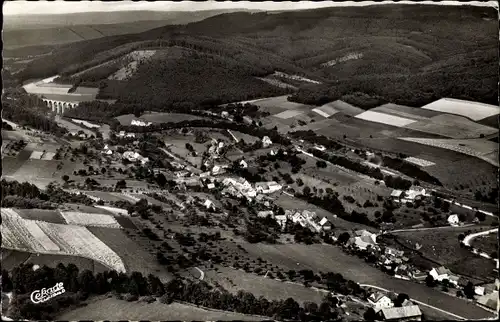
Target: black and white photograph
[(250, 161)]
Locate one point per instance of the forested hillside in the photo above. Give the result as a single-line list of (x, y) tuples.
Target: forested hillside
[(366, 56)]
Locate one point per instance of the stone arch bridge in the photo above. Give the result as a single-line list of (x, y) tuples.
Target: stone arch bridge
[(59, 106)]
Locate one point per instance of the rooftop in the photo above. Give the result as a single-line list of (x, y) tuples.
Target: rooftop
[(401, 312)]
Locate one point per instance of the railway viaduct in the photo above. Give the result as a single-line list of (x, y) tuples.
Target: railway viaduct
[(59, 106)]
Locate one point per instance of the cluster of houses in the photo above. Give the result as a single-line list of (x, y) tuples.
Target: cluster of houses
[(140, 123), (134, 156), (123, 134), (410, 195), (386, 310), (305, 218), (363, 240)]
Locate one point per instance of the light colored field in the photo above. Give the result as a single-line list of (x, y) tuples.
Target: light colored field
[(277, 83), (479, 148), (87, 124), (234, 280), (36, 155), (419, 162), (126, 196), (115, 310), (473, 110), (22, 234), (126, 119), (129, 70), (288, 114), (279, 102), (88, 219), (79, 241), (107, 196), (452, 126), (114, 210), (384, 118), (168, 117), (326, 110)]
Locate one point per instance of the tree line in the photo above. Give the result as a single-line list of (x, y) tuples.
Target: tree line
[(79, 285)]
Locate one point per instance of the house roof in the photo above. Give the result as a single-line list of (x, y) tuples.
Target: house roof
[(396, 193), (401, 312), (442, 270), (375, 297), (323, 221)]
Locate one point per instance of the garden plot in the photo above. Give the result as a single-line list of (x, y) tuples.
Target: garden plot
[(473, 110), (479, 148), (452, 126), (419, 162), (22, 234), (288, 114), (88, 219), (326, 110), (385, 118), (36, 155), (79, 241)]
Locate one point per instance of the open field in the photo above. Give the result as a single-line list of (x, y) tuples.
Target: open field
[(87, 124), (22, 234), (288, 114), (384, 118), (275, 105), (114, 309), (326, 110), (443, 247), (12, 258), (413, 113), (487, 243), (76, 240), (52, 216), (345, 108), (133, 59), (168, 117), (419, 162), (10, 165), (473, 110), (328, 258), (452, 126), (133, 256), (480, 148), (234, 280), (72, 127)]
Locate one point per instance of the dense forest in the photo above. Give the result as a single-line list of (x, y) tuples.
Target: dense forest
[(364, 56)]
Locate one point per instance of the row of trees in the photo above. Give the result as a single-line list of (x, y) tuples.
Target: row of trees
[(409, 169), (27, 195)]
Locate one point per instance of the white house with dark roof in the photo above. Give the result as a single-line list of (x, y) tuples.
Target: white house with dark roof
[(379, 301), (442, 273)]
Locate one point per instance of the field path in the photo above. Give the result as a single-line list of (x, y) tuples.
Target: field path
[(428, 228)]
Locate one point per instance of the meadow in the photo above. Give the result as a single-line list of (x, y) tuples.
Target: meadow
[(473, 110), (114, 309), (234, 280)]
